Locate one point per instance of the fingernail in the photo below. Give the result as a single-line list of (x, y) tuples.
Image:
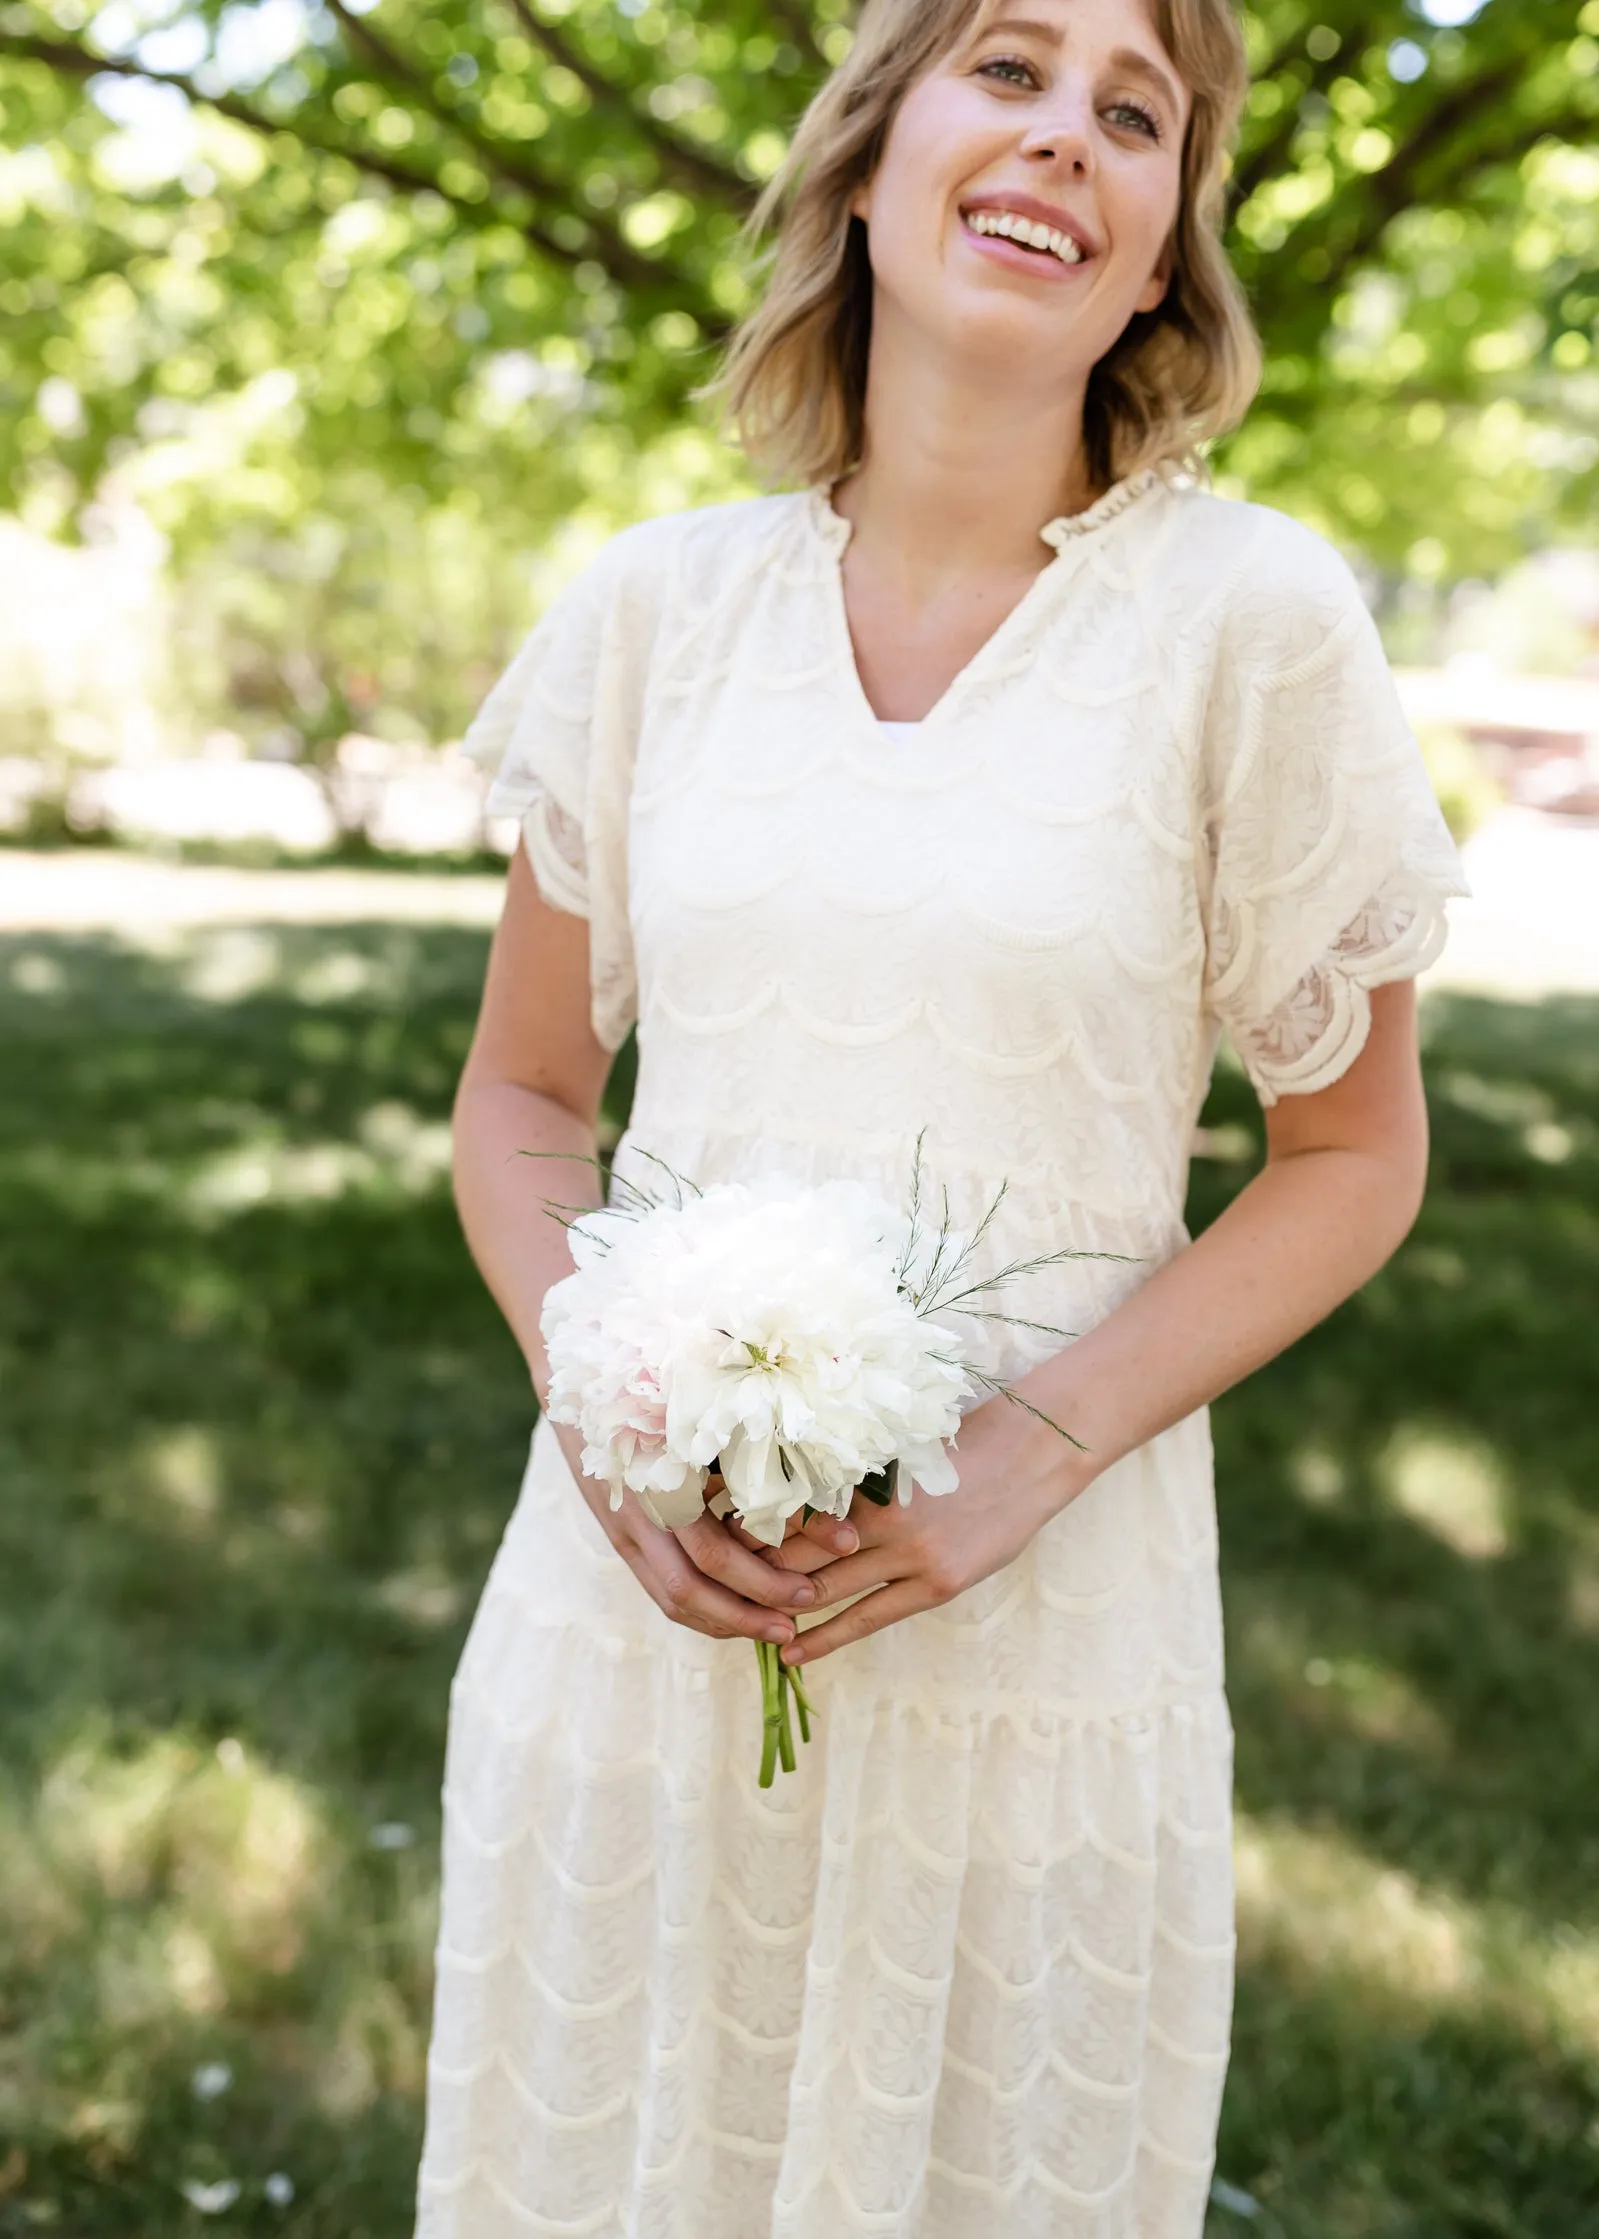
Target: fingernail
[(793, 1655), (847, 1540), (779, 1633), (804, 1593)]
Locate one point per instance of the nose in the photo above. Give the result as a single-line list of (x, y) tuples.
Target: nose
[(1064, 139)]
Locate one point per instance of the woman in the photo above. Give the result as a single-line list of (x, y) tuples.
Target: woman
[(974, 788)]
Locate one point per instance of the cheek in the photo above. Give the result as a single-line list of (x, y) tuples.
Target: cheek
[(921, 164), (900, 218), (1145, 215)]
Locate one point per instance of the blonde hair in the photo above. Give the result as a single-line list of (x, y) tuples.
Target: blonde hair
[(793, 382)]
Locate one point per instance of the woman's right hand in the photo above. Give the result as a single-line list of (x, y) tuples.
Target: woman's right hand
[(704, 1576)]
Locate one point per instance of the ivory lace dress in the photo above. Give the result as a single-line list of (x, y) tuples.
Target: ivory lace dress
[(968, 1971)]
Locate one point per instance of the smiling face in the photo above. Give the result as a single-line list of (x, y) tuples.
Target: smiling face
[(1023, 206)]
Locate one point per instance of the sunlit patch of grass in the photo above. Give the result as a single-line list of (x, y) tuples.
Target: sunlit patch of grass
[(231, 964), (424, 1595), (1582, 1600), (393, 1148), (1317, 1476), (1452, 1486), (1315, 1902), (1412, 2062), (158, 1899), (182, 1468), (1353, 1694)]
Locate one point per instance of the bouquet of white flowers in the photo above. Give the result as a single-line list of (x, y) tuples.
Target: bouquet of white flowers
[(803, 1342)]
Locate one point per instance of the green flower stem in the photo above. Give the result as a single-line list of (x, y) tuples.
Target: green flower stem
[(766, 1656), (785, 1731), (802, 1703)]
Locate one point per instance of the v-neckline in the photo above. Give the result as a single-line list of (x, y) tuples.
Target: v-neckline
[(1064, 535)]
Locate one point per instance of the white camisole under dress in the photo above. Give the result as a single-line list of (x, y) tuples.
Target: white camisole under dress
[(968, 1971)]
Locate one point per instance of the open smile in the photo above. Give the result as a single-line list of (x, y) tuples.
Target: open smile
[(1027, 234)]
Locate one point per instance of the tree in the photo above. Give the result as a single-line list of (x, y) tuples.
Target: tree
[(487, 247)]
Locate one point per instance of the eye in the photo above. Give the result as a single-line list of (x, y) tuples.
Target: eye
[(1008, 69), (1136, 118)]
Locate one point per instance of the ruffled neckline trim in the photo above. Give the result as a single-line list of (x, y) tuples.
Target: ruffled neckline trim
[(1117, 500), (1064, 529)]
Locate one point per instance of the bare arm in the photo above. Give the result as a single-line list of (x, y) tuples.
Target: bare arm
[(1342, 1184), (533, 1081), (1341, 1187)]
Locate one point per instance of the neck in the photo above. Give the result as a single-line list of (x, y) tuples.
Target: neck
[(959, 470)]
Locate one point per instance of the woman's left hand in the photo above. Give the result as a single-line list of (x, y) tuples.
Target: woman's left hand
[(1015, 1474)]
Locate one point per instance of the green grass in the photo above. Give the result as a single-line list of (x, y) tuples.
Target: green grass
[(260, 1429)]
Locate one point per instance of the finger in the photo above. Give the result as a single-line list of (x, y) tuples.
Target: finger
[(908, 1597), (689, 1598), (746, 1538), (719, 1556), (823, 1540), (858, 1574), (831, 1533), (800, 1555), (836, 1533)]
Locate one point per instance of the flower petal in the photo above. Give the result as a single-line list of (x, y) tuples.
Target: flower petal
[(674, 1512)]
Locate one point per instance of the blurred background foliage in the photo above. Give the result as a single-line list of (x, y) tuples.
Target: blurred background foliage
[(361, 304)]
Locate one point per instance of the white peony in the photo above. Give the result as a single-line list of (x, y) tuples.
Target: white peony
[(759, 1327)]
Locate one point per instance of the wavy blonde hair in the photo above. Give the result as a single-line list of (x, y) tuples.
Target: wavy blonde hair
[(793, 381)]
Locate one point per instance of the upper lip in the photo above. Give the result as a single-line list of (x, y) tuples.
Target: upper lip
[(1042, 213)]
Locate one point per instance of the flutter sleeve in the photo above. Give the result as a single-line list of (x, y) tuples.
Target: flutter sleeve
[(1327, 859), (559, 733)]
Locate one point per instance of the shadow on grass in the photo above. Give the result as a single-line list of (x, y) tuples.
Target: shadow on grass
[(262, 1429)]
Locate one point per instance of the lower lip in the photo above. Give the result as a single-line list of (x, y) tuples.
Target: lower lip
[(1038, 264)]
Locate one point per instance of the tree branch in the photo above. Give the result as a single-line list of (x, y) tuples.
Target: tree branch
[(690, 165), (1267, 158), (1573, 124), (80, 63), (623, 264), (1392, 187), (793, 17), (510, 165)]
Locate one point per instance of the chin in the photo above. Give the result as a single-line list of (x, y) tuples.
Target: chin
[(1017, 341)]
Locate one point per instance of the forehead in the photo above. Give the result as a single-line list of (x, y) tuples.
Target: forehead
[(1126, 23)]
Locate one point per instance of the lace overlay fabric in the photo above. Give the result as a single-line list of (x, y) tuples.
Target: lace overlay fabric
[(1314, 1034), (969, 1970)]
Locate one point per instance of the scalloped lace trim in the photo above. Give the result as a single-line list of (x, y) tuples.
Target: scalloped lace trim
[(557, 850), (1320, 1027)]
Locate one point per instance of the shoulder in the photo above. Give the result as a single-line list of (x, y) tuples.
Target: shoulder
[(1266, 581), (604, 631), (686, 557)]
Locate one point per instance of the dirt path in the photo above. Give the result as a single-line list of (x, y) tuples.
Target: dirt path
[(104, 890)]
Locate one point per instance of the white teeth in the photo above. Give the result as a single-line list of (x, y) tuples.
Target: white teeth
[(1010, 227)]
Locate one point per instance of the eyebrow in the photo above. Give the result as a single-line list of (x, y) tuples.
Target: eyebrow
[(1128, 60)]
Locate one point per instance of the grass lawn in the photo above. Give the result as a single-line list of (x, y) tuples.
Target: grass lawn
[(260, 1429)]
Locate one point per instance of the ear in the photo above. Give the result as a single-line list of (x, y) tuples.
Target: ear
[(860, 199)]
